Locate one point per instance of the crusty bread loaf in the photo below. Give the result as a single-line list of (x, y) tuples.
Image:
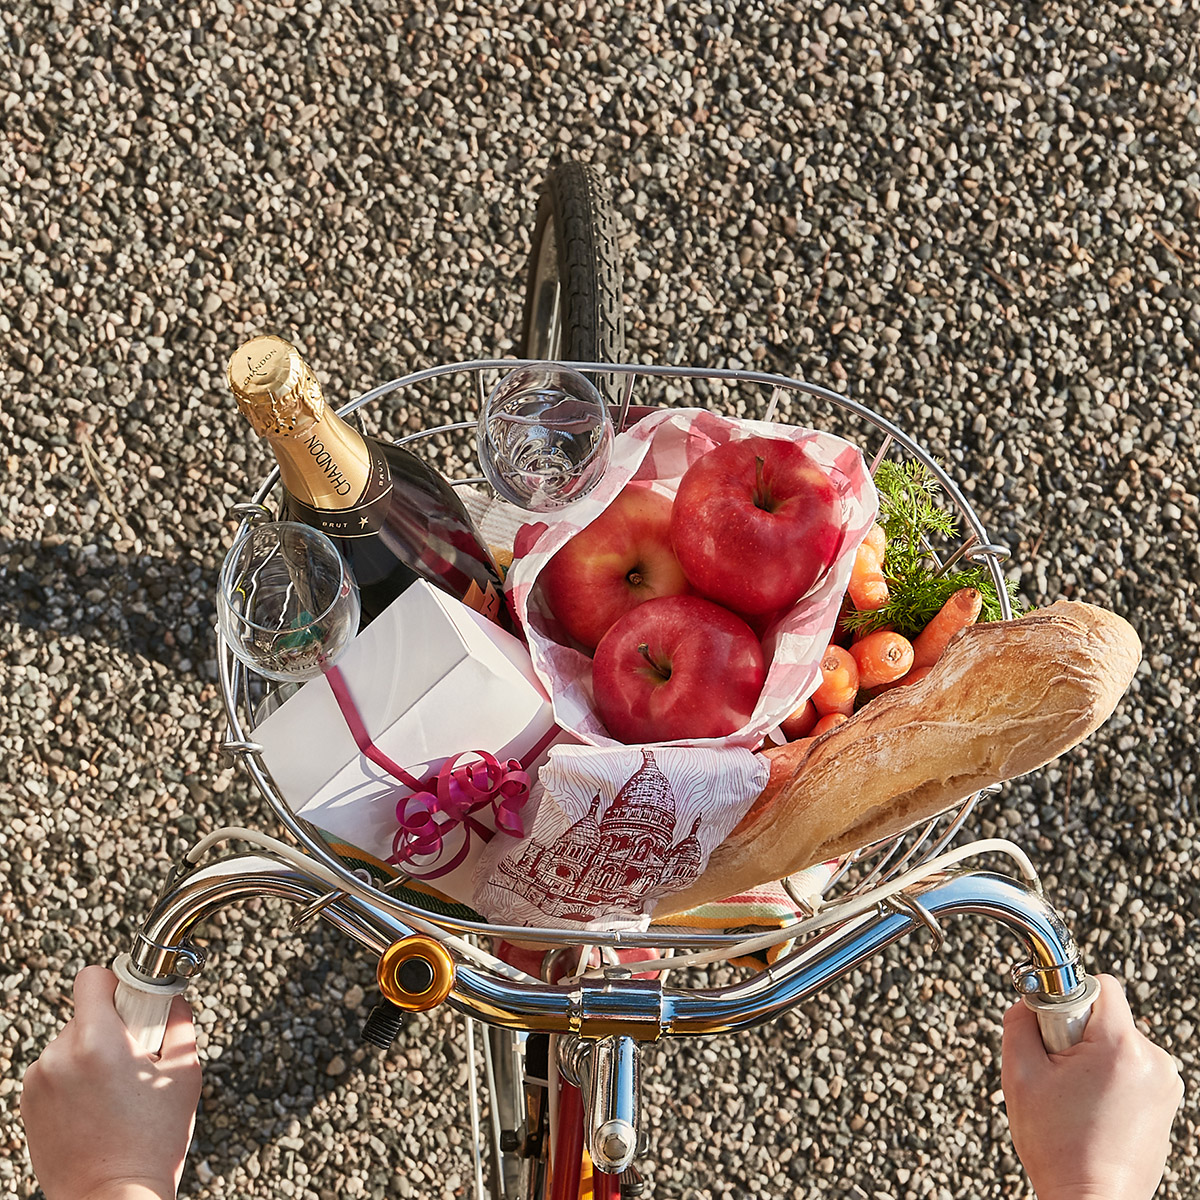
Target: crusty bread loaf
[(1004, 699)]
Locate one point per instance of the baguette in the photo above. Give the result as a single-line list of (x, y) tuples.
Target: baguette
[(1004, 699)]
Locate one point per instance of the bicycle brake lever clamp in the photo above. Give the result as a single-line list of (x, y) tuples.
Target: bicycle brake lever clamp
[(1061, 981)]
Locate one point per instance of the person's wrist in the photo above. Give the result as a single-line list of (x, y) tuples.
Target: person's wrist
[(1086, 1193), (133, 1189)]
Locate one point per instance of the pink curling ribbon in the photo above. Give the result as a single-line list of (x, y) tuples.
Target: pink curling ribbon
[(450, 799)]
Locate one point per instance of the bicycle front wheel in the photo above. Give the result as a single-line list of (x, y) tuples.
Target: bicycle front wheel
[(573, 306)]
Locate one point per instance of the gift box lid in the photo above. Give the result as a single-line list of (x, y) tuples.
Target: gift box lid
[(429, 678)]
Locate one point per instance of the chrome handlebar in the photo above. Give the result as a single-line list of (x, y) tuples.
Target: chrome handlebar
[(613, 1005), (602, 1020)]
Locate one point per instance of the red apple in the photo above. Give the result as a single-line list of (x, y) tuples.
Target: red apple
[(756, 524), (622, 559), (677, 667)]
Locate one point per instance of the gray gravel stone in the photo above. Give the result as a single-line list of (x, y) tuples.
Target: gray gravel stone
[(981, 220)]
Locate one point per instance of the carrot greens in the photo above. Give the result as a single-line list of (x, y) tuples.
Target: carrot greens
[(911, 516)]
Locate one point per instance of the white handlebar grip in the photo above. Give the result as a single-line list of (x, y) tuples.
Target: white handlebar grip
[(1062, 1022), (143, 1006)]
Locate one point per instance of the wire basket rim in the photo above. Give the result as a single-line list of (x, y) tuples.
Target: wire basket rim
[(234, 678)]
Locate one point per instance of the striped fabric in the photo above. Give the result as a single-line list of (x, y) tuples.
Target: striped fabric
[(765, 906)]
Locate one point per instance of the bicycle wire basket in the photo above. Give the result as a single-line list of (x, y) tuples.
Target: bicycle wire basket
[(734, 392)]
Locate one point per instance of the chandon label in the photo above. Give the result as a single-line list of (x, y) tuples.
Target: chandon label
[(324, 460), (364, 518)]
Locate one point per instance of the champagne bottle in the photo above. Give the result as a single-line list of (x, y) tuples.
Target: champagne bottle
[(393, 517)]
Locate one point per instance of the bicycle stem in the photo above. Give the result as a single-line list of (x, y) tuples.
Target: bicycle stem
[(607, 1072)]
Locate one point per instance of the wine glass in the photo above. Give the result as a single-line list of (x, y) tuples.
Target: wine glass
[(287, 605), (544, 437)]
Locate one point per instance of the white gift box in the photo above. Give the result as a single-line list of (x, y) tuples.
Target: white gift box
[(430, 679)]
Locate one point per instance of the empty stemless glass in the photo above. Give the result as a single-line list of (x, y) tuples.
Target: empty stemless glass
[(544, 437), (287, 605)]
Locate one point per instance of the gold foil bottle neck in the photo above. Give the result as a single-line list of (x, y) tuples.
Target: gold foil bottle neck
[(275, 390)]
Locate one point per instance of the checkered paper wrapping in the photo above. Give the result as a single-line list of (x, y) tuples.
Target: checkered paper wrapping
[(615, 827), (660, 448)]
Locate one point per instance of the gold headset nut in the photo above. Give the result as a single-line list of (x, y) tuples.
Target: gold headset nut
[(416, 973)]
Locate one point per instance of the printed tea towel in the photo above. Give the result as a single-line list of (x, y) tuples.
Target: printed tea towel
[(614, 831)]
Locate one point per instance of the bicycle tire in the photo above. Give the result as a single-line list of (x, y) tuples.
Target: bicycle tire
[(574, 310)]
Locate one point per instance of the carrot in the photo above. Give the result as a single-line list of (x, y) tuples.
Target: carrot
[(868, 587), (915, 675), (876, 540), (859, 634), (882, 657), (839, 682), (801, 722), (827, 722), (959, 611)]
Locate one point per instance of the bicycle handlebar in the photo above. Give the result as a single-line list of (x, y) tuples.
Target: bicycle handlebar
[(1062, 1022), (644, 1010)]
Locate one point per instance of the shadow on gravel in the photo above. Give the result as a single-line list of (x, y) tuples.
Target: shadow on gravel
[(287, 1050), (155, 606)]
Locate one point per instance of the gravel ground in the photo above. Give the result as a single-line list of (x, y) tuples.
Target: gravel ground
[(980, 218)]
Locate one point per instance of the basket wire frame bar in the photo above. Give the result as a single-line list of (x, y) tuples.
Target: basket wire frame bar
[(236, 682)]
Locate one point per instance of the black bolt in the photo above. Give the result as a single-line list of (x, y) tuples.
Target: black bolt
[(383, 1024), (632, 1184)]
